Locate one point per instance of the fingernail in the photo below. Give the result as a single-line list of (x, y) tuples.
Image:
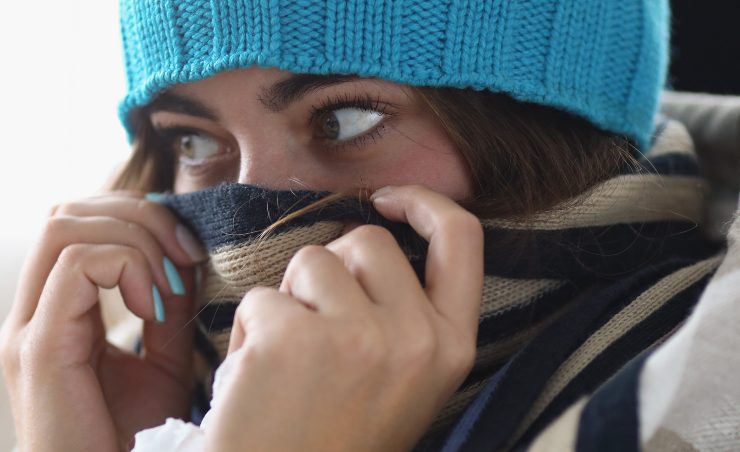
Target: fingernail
[(190, 244), (158, 305), (155, 197), (173, 277), (381, 192)]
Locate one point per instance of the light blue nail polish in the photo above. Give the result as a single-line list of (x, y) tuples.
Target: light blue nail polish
[(155, 197), (173, 277), (158, 305)]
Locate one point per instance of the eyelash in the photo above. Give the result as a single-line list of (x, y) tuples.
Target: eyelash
[(361, 102), (169, 134)]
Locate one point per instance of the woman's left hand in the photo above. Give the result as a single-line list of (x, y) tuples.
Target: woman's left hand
[(352, 352)]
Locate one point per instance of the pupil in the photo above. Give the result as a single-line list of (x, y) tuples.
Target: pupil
[(186, 144), (331, 126)]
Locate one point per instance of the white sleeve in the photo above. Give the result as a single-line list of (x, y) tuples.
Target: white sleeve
[(176, 435)]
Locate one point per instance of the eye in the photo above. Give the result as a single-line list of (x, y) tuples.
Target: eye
[(346, 123), (196, 147), (193, 147)]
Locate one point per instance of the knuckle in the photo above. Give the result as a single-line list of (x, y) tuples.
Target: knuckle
[(464, 222), (256, 292), (72, 254), (250, 299), (135, 228), (72, 208), (372, 235), (146, 209), (62, 209), (8, 351), (133, 255), (307, 256), (414, 188), (53, 210), (252, 303), (311, 252), (54, 227)]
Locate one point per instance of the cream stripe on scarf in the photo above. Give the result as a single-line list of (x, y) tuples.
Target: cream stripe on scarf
[(499, 294), (561, 434), (634, 313), (262, 262), (624, 199)]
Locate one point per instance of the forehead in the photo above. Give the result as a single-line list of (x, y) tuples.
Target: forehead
[(246, 78), (257, 78), (273, 88)]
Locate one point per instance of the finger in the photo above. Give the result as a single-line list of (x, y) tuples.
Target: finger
[(316, 275), (72, 287), (61, 232), (169, 344), (124, 193), (373, 257), (263, 307), (177, 241), (454, 266)]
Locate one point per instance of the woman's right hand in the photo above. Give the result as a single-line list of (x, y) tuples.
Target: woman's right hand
[(69, 388)]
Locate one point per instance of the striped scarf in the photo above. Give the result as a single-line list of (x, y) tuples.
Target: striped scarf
[(570, 296)]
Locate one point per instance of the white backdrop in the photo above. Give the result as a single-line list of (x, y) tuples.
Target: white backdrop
[(61, 75)]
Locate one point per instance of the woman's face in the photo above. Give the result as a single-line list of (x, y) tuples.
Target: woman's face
[(279, 130)]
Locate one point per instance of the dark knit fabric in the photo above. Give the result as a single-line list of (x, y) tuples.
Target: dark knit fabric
[(609, 420)]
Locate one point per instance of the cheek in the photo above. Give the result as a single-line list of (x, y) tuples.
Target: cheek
[(429, 159)]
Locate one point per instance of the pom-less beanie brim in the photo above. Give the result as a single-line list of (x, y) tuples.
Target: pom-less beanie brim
[(603, 60)]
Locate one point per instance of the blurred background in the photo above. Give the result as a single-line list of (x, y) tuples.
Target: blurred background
[(62, 75), (705, 53), (61, 78)]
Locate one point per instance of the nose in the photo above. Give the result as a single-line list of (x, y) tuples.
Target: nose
[(265, 161)]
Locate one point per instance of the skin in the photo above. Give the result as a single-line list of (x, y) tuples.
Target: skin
[(391, 351)]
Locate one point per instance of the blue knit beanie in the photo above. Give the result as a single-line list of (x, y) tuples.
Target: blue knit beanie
[(604, 60)]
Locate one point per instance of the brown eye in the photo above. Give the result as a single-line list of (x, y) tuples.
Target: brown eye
[(197, 146), (346, 123), (328, 125)]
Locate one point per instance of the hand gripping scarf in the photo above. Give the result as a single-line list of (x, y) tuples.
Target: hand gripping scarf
[(570, 297)]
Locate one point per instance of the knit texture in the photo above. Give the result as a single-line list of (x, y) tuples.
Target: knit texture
[(604, 60), (569, 297)]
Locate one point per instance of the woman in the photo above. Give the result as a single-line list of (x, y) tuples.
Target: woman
[(335, 97)]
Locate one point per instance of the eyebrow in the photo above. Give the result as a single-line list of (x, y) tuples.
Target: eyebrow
[(275, 98), (175, 103), (283, 93)]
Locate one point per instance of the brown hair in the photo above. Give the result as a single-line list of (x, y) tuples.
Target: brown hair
[(523, 157)]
